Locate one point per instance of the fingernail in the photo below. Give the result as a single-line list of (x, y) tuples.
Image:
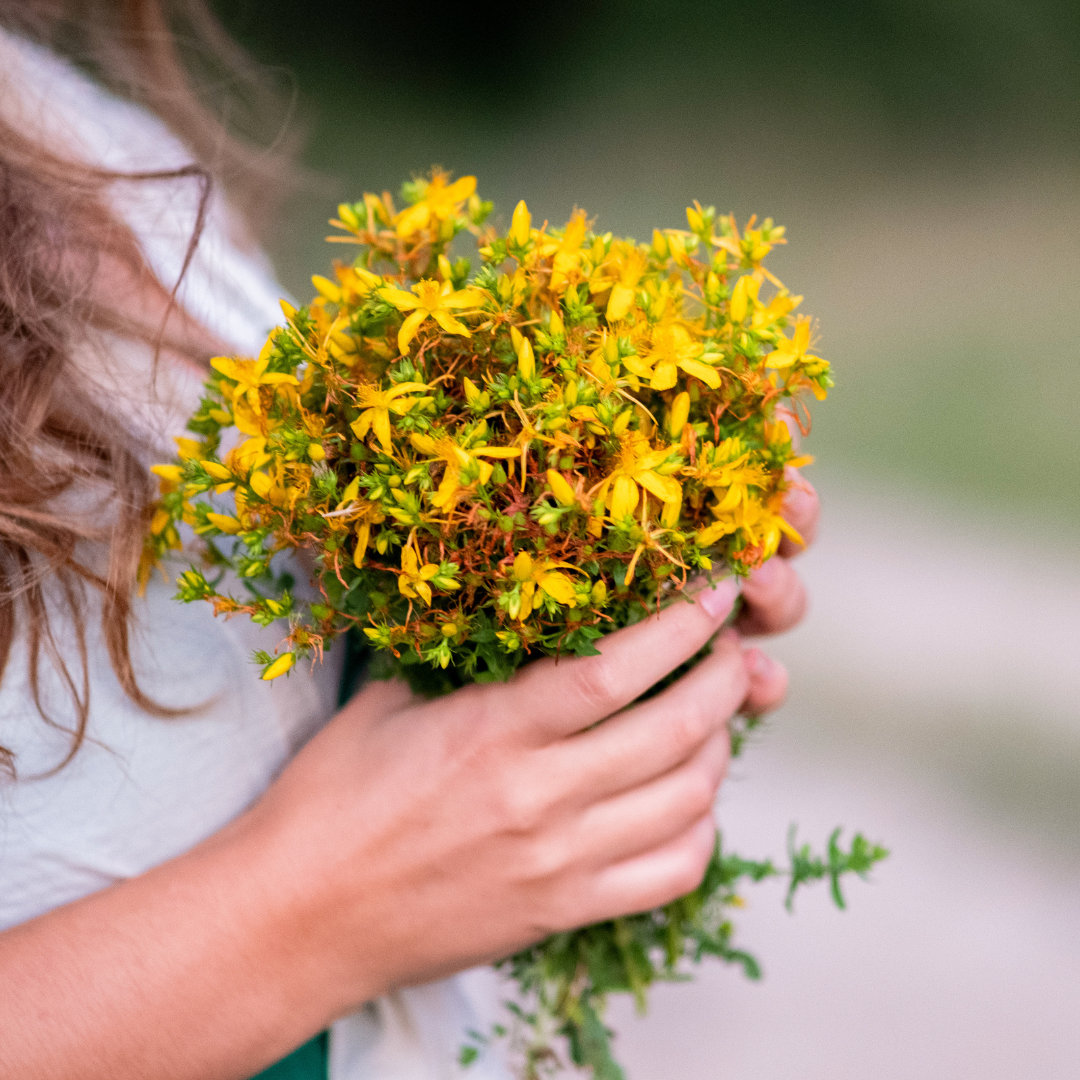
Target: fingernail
[(718, 599)]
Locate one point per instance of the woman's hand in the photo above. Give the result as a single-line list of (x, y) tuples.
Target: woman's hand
[(456, 831)]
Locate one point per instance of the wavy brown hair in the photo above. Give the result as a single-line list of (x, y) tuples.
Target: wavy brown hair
[(75, 493)]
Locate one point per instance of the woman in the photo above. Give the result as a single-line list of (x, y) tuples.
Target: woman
[(200, 872)]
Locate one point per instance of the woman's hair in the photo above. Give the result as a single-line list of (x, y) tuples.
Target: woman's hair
[(71, 481)]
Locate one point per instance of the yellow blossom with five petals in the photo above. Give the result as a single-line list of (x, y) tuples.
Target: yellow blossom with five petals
[(636, 469), (377, 405), (439, 202), (430, 299)]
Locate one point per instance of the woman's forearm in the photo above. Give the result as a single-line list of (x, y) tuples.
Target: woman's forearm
[(197, 969)]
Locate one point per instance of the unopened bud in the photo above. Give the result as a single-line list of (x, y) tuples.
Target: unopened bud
[(520, 224)]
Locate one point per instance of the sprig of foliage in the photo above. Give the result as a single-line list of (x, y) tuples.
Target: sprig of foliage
[(569, 976)]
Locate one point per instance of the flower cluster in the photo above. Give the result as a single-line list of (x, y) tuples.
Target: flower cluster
[(507, 463), (496, 465)]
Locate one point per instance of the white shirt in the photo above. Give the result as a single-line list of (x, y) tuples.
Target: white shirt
[(142, 790)]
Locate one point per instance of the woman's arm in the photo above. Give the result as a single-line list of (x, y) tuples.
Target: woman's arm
[(406, 841)]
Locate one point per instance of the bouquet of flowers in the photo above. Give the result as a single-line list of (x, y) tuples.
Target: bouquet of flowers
[(498, 465)]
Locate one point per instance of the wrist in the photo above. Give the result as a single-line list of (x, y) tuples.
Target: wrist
[(305, 928)]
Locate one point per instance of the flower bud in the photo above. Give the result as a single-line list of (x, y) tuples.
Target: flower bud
[(281, 665), (520, 224), (347, 215), (327, 288), (562, 491), (680, 413)]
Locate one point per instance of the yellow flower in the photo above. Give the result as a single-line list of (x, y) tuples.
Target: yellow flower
[(440, 201), (636, 467), (743, 298), (630, 270), (377, 405), (457, 459), (355, 284), (531, 574), (432, 300), (730, 473), (281, 665), (761, 523), (367, 514), (792, 350), (249, 375), (752, 246), (567, 252), (224, 522), (414, 578), (781, 305), (250, 454), (672, 348)]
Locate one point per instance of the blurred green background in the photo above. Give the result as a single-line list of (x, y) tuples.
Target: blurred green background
[(923, 154)]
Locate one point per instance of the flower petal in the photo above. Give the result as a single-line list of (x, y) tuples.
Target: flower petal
[(450, 324), (663, 487), (409, 328), (624, 497), (709, 376), (558, 586)]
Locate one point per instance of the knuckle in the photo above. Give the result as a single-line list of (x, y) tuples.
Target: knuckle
[(689, 869), (694, 859), (699, 791), (691, 725), (596, 684), (543, 860), (521, 808)]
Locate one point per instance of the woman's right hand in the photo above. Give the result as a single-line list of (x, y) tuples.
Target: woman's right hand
[(422, 838)]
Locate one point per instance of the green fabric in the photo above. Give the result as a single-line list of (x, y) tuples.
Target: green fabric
[(310, 1062)]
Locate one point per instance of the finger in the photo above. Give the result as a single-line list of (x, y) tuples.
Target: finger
[(774, 599), (551, 699), (379, 698), (768, 683), (802, 510), (659, 735), (656, 877), (651, 814)]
